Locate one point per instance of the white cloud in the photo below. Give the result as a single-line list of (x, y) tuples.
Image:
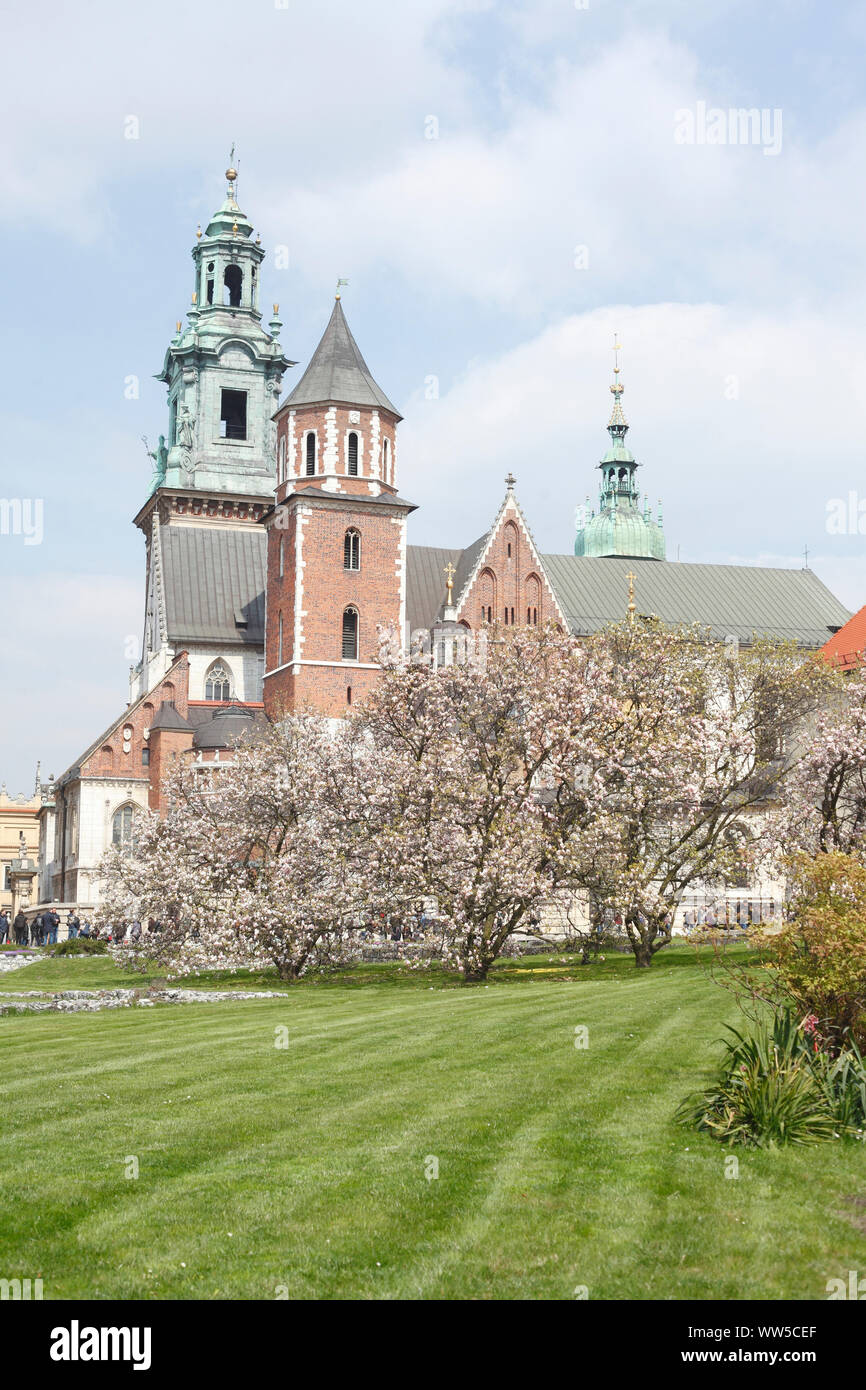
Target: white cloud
[(64, 668)]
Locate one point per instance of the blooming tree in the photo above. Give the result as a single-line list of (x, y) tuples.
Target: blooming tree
[(824, 809), (697, 750), (248, 862)]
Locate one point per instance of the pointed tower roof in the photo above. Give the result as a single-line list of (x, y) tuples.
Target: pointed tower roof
[(338, 372)]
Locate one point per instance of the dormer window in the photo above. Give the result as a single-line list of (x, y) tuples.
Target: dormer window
[(352, 455), (233, 281)]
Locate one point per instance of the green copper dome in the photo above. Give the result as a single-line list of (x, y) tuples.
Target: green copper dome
[(620, 526)]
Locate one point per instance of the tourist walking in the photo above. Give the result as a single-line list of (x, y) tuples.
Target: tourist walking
[(4, 927), (51, 922), (19, 926), (73, 924)]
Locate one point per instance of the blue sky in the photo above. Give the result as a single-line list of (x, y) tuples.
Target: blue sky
[(734, 278)]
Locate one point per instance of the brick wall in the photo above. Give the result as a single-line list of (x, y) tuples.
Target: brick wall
[(510, 580)]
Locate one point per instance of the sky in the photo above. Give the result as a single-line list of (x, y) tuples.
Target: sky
[(505, 185)]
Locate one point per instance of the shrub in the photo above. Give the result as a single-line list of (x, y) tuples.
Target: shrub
[(80, 946), (774, 1088), (818, 961)]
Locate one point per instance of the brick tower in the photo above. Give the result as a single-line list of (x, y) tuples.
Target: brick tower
[(337, 534)]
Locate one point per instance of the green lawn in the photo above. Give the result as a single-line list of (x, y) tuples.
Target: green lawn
[(304, 1167)]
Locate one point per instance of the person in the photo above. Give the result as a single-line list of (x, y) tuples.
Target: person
[(4, 926), (135, 931), (73, 922), (51, 922), (19, 927), (84, 929), (37, 929)]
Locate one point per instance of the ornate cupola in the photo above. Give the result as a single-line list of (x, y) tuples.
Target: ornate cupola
[(620, 526), (224, 369)]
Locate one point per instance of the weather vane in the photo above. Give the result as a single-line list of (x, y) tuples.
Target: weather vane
[(339, 283)]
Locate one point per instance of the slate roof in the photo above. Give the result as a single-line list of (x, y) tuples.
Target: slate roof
[(338, 372), (214, 583), (735, 600), (168, 717), (425, 582), (846, 647)]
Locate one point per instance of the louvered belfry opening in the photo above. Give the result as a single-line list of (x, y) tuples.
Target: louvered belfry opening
[(311, 454), (350, 635), (353, 455)]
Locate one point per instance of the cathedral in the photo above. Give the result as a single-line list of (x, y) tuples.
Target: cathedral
[(276, 540)]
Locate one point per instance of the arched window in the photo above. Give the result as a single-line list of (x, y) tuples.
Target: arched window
[(122, 825), (218, 683), (282, 556), (385, 460), (352, 549), (311, 453), (233, 281), (352, 457), (350, 634), (281, 460)]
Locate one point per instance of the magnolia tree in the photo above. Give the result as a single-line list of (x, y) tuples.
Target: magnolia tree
[(824, 809), (248, 863), (454, 785), (696, 750)]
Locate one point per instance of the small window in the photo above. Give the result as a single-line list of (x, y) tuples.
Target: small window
[(348, 694), (280, 642), (353, 458), (311, 453), (352, 550), (145, 757), (350, 635), (385, 460), (233, 415), (218, 683)]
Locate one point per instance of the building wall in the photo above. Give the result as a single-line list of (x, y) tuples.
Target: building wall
[(17, 814), (316, 589), (331, 425)]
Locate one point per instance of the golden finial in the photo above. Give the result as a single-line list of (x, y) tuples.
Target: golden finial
[(234, 229), (258, 238), (631, 604), (276, 310), (198, 232), (179, 325), (617, 349), (194, 297), (449, 573)]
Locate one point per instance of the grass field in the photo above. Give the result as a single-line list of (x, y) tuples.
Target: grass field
[(302, 1168)]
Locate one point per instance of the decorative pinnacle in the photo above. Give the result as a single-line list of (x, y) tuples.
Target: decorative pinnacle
[(510, 480), (631, 610), (449, 573), (231, 174), (198, 232), (617, 424)]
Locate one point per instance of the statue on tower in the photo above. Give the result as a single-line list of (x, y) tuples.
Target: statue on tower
[(160, 459)]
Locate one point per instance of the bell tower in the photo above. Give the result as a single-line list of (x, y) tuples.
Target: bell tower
[(215, 470), (337, 534)]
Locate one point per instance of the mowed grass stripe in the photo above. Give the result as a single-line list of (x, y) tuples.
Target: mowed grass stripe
[(557, 1167)]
